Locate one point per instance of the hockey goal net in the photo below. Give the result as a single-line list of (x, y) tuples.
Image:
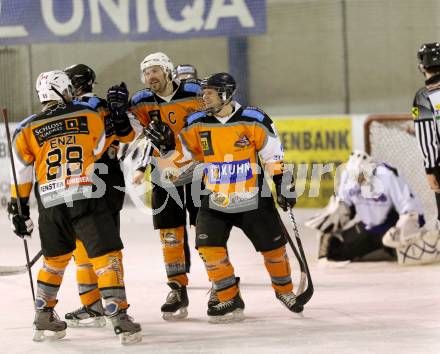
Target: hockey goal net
[(391, 139)]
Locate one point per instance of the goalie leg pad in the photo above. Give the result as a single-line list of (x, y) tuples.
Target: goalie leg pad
[(422, 250)]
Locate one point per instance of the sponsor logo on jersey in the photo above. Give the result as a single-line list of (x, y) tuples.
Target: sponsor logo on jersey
[(206, 142), (229, 172), (54, 129), (220, 199), (243, 142)]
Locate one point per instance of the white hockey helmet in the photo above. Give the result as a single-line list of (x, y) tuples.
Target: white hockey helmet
[(51, 84), (359, 163), (159, 59)]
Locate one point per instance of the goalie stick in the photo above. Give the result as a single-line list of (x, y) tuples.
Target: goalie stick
[(14, 270), (14, 175)]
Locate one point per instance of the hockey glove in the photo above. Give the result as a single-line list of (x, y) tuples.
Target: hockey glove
[(22, 225), (285, 189), (161, 136), (117, 99)]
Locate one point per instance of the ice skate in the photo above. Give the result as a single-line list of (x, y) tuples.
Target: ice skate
[(213, 297), (129, 332), (175, 306), (87, 316), (227, 311), (47, 326), (289, 300)]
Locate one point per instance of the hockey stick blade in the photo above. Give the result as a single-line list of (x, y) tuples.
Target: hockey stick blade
[(14, 270)]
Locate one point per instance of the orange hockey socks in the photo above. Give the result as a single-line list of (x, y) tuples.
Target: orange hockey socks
[(85, 276), (220, 271), (277, 264), (49, 280), (174, 254)]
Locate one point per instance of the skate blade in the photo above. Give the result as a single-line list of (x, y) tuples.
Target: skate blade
[(175, 316), (41, 335), (234, 316), (127, 338), (93, 322)]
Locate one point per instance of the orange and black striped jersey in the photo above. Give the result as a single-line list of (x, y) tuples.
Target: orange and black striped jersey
[(148, 106), (232, 148), (61, 144)]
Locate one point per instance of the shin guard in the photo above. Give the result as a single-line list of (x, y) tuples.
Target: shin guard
[(220, 271), (49, 280), (85, 276), (277, 265), (174, 254), (110, 273)]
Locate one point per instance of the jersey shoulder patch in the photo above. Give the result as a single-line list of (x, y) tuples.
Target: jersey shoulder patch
[(255, 113), (143, 95), (195, 116)]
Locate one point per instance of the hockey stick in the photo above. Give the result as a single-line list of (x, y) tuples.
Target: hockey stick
[(14, 175), (303, 279), (305, 296), (14, 270)]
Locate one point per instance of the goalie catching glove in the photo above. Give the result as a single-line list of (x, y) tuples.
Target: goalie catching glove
[(161, 136), (285, 189), (335, 216), (22, 225)]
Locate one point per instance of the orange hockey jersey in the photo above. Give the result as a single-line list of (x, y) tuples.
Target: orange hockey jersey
[(232, 148), (61, 144)]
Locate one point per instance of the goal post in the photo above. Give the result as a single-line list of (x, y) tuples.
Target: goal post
[(391, 139)]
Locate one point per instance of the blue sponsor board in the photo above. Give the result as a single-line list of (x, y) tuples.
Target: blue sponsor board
[(32, 21), (229, 172)]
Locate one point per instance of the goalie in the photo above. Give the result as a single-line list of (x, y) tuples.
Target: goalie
[(374, 210)]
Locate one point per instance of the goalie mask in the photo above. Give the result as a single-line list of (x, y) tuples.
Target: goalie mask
[(157, 59), (359, 166), (225, 86), (429, 55), (54, 86)]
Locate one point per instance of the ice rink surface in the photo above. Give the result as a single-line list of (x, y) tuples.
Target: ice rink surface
[(361, 308)]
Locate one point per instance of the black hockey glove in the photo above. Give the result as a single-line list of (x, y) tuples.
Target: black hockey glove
[(22, 225), (117, 99), (285, 189), (161, 136)]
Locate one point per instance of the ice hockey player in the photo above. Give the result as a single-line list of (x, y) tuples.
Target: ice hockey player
[(168, 101), (117, 129), (230, 138), (374, 210), (185, 72), (61, 144)]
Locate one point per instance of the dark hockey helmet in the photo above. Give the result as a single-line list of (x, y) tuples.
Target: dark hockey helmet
[(224, 83), (429, 55), (185, 71), (82, 77)]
